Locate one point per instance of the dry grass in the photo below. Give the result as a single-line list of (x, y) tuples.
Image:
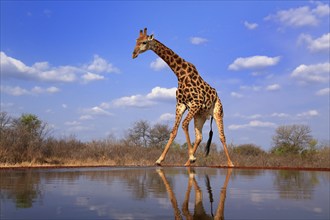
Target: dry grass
[(71, 152), (24, 142)]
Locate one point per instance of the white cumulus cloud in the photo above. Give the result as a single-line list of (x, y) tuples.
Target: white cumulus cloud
[(315, 45), (310, 113), (156, 94), (72, 123), (325, 91), (85, 117), (280, 115), (312, 73), (44, 72), (273, 87), (52, 89), (254, 116), (252, 124), (14, 90), (88, 77), (162, 93), (198, 40), (253, 88), (96, 110), (100, 65), (158, 64), (301, 16), (18, 91), (236, 95), (132, 101), (250, 26), (167, 117), (253, 62)]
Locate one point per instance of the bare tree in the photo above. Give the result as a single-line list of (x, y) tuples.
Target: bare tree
[(292, 139), (139, 134), (142, 134), (159, 134), (5, 120)]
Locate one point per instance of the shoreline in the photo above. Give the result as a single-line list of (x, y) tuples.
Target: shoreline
[(24, 167)]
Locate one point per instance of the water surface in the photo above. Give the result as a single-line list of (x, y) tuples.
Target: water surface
[(163, 193)]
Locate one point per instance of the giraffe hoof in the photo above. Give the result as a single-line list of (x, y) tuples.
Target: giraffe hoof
[(158, 163), (187, 164), (230, 164), (192, 159)]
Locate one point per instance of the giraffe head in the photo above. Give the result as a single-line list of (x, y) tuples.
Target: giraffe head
[(142, 43)]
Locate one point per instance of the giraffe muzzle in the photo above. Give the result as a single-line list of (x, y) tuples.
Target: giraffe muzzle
[(135, 54)]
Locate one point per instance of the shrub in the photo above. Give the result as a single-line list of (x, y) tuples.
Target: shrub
[(21, 138), (248, 150)]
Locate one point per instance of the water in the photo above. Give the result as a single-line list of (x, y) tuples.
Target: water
[(163, 193)]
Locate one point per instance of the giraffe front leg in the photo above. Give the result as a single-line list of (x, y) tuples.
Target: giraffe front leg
[(191, 156), (185, 126), (180, 109), (167, 147)]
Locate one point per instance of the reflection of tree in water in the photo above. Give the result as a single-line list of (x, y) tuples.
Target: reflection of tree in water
[(295, 184), (248, 173), (141, 183), (145, 182), (23, 188)]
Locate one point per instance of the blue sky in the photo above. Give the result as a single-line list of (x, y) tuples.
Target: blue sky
[(70, 63)]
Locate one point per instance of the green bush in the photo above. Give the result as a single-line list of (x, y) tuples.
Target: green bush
[(248, 150)]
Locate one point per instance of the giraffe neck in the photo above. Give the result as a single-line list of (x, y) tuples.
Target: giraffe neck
[(173, 60)]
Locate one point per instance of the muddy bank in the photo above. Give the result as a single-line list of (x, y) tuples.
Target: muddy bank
[(18, 167)]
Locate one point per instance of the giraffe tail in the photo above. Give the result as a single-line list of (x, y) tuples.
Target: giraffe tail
[(208, 144)]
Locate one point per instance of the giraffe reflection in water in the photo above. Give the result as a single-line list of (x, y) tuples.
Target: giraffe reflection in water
[(199, 211)]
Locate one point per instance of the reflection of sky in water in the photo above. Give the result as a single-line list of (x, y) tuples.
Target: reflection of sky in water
[(140, 193)]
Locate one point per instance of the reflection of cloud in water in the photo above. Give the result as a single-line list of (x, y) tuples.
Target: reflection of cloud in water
[(107, 210), (81, 201), (256, 196), (261, 196), (59, 210), (164, 203), (101, 210), (317, 210)]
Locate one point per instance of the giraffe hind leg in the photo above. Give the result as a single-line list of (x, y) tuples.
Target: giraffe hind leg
[(199, 121), (218, 116), (185, 125)]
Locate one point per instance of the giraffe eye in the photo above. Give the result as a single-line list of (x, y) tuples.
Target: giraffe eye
[(144, 42)]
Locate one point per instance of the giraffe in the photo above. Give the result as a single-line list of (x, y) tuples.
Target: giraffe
[(193, 93)]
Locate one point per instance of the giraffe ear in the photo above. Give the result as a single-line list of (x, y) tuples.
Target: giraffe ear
[(151, 37)]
